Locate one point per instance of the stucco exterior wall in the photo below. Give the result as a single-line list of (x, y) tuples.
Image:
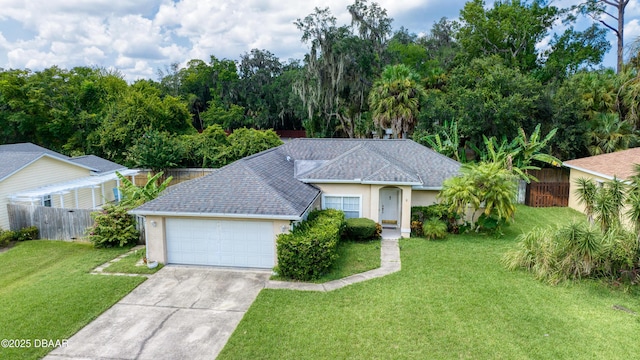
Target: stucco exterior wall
[(574, 175), (41, 172), (370, 200), (424, 197)]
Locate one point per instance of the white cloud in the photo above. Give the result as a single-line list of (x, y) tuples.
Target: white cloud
[(140, 36)]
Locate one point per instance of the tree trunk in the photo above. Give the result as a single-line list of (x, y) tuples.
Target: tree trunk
[(622, 4)]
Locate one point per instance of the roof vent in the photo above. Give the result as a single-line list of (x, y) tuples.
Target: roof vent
[(288, 158)]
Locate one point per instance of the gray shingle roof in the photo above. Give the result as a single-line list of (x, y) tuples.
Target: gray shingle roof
[(14, 161), (13, 157), (99, 164), (390, 161), (29, 147), (256, 185), (265, 184)]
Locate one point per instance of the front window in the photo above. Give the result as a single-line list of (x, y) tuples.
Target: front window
[(349, 204), (46, 200)]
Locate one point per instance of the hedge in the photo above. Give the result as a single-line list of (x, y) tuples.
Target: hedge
[(310, 249), (361, 229), (24, 234)]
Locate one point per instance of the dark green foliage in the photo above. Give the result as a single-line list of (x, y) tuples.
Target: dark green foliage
[(434, 229), (156, 150), (6, 236), (310, 249), (491, 224), (113, 227), (360, 229), (422, 213), (28, 233), (244, 142), (24, 234)]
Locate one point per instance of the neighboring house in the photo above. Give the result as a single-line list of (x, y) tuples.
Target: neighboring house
[(601, 168), (232, 216), (33, 175)]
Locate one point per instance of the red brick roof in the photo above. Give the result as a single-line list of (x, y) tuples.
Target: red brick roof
[(620, 164)]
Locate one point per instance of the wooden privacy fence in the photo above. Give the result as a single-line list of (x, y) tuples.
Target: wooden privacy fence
[(551, 189), (547, 194), (179, 175), (58, 223), (53, 223)]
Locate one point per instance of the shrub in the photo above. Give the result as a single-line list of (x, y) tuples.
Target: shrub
[(575, 251), (422, 213), (28, 233), (6, 237), (360, 229), (416, 228), (113, 227), (434, 229), (310, 249)]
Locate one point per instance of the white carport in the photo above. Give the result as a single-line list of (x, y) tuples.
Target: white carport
[(34, 196)]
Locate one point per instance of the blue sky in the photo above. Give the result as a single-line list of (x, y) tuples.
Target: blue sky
[(139, 37)]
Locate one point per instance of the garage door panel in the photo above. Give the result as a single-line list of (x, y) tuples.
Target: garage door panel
[(220, 242)]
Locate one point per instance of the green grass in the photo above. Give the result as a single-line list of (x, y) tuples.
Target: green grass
[(127, 265), (46, 292), (453, 299), (354, 257)]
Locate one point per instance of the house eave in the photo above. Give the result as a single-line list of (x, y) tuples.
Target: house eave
[(434, 188), (214, 215), (590, 172), (399, 183), (358, 181)]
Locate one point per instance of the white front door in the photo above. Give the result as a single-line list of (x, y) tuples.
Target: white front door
[(390, 207)]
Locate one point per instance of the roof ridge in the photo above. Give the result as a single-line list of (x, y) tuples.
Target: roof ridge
[(409, 170), (337, 158), (269, 187)]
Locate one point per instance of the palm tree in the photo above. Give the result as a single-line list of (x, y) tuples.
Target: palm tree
[(482, 184), (633, 200), (607, 134), (586, 192), (395, 99)]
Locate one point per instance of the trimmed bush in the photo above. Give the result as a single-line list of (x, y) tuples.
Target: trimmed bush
[(434, 229), (28, 233), (310, 249), (360, 229), (6, 237), (113, 227)]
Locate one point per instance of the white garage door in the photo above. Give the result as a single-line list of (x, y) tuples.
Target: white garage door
[(220, 242)]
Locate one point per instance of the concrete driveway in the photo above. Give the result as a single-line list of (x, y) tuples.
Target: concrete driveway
[(179, 313)]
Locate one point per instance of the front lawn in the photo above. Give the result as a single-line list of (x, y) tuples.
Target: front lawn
[(46, 292), (453, 299), (130, 265), (354, 257)]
